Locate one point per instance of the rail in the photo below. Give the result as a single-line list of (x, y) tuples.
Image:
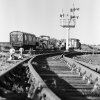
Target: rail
[(39, 84), (84, 71), (90, 66)]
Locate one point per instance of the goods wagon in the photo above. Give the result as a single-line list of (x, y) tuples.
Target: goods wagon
[(21, 39), (74, 43)]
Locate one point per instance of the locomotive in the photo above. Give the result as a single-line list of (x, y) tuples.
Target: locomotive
[(44, 42)]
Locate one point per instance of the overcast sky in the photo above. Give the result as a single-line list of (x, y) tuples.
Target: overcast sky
[(41, 17)]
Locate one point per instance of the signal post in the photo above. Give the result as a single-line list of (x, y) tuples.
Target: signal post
[(68, 21)]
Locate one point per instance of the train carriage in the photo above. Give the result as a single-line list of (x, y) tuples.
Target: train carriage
[(21, 39), (74, 44)]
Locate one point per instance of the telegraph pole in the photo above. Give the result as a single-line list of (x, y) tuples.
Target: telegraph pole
[(68, 21)]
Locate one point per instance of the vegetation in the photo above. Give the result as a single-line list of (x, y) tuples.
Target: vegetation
[(86, 47), (4, 46), (91, 58)]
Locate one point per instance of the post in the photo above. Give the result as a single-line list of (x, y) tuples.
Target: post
[(68, 40)]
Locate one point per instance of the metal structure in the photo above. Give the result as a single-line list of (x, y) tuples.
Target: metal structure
[(68, 21)]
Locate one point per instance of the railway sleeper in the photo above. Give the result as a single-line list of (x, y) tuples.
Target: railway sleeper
[(74, 77)]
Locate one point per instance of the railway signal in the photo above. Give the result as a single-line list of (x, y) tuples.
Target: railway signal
[(68, 21)]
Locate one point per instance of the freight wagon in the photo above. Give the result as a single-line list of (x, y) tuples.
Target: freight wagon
[(21, 39), (74, 43)]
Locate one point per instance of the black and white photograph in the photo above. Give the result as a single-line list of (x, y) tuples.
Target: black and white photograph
[(49, 50)]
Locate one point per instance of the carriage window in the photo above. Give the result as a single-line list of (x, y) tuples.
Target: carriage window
[(20, 37), (13, 37), (33, 39), (30, 38), (25, 37)]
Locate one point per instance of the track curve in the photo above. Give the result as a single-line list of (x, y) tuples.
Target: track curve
[(50, 76), (66, 78)]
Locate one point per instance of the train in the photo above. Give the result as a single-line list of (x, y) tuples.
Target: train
[(28, 40)]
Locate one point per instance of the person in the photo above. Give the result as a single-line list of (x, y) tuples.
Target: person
[(12, 52), (21, 53)]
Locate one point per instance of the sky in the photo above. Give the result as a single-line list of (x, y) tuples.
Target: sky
[(42, 17)]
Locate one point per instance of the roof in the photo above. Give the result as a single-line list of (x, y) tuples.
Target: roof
[(21, 32), (74, 39)]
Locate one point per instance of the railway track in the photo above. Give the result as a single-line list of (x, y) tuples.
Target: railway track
[(13, 82), (49, 76), (21, 82), (66, 80)]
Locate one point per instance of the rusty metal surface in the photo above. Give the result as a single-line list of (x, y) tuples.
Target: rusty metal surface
[(39, 83), (66, 78)]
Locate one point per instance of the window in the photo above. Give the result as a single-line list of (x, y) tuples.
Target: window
[(25, 37), (30, 38), (20, 37), (33, 39), (13, 37)]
